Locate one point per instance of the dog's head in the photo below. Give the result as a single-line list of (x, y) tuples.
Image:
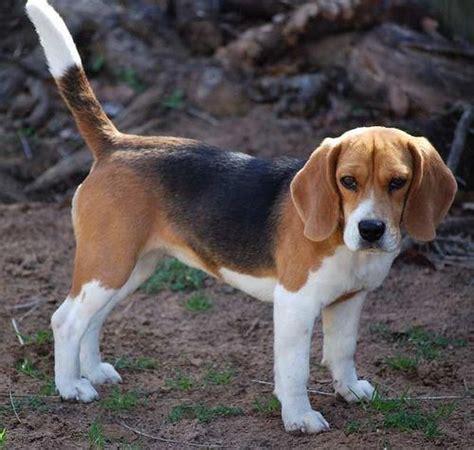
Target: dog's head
[(373, 181)]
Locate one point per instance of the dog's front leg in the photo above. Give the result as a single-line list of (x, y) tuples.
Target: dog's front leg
[(294, 315), (340, 327)]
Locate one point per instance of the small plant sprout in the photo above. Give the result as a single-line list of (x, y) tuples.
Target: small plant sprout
[(198, 303), (175, 276), (221, 377), (96, 435), (267, 406), (121, 401), (181, 382), (203, 414)]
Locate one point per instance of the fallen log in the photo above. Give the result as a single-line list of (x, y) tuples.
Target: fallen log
[(420, 80), (313, 19)]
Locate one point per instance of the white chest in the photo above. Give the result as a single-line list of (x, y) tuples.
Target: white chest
[(348, 271), (343, 272)]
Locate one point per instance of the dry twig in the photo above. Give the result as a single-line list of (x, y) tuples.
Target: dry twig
[(17, 332), (168, 441), (462, 129), (14, 407)]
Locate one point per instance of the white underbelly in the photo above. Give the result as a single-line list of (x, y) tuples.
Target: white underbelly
[(260, 288)]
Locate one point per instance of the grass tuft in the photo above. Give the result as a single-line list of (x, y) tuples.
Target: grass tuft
[(41, 337), (198, 303), (407, 415), (181, 381), (267, 406), (203, 414), (402, 363), (220, 377), (3, 438), (352, 427), (130, 76), (96, 436), (424, 343), (26, 367), (140, 363), (175, 100), (175, 276), (428, 344), (121, 401)]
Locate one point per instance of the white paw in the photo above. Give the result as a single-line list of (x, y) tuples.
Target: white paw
[(355, 392), (101, 374), (81, 390), (308, 422)]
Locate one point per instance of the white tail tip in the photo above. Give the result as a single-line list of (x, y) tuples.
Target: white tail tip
[(57, 42)]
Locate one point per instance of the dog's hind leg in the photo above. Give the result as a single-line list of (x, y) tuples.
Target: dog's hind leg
[(91, 365), (111, 233)]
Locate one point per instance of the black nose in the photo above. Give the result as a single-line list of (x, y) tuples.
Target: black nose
[(371, 230)]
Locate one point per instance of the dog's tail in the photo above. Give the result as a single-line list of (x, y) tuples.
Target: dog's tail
[(66, 67)]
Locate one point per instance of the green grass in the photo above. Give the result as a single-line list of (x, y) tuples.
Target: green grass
[(428, 344), (181, 382), (203, 414), (221, 377), (26, 367), (96, 436), (353, 426), (402, 363), (41, 337), (97, 64), (198, 303), (175, 100), (3, 438), (48, 388), (424, 343), (119, 401), (407, 415), (129, 76), (266, 406), (175, 276), (29, 403), (140, 363)]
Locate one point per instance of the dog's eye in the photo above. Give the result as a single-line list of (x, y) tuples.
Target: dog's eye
[(349, 183), (396, 183)]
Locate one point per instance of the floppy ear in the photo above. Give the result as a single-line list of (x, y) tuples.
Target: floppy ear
[(314, 192), (431, 193)]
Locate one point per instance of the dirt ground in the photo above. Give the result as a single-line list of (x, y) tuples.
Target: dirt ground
[(235, 335), (416, 333)]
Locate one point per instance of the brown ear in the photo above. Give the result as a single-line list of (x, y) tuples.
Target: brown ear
[(314, 192), (431, 193)]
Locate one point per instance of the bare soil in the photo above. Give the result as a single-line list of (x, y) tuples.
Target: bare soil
[(36, 252), (37, 248)]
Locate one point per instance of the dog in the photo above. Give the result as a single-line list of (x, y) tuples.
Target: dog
[(312, 235)]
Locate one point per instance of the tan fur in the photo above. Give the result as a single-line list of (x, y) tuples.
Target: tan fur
[(314, 192), (431, 193), (297, 255), (118, 218)]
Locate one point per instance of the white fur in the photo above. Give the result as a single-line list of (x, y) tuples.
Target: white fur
[(61, 52), (340, 327), (69, 323), (260, 288), (294, 315), (77, 326), (364, 211)]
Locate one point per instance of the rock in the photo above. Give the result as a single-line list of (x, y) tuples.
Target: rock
[(22, 105), (432, 74), (214, 91), (300, 95)]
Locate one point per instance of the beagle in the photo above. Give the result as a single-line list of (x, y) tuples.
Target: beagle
[(313, 236)]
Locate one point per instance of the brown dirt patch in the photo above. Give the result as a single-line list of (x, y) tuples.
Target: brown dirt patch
[(36, 249)]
